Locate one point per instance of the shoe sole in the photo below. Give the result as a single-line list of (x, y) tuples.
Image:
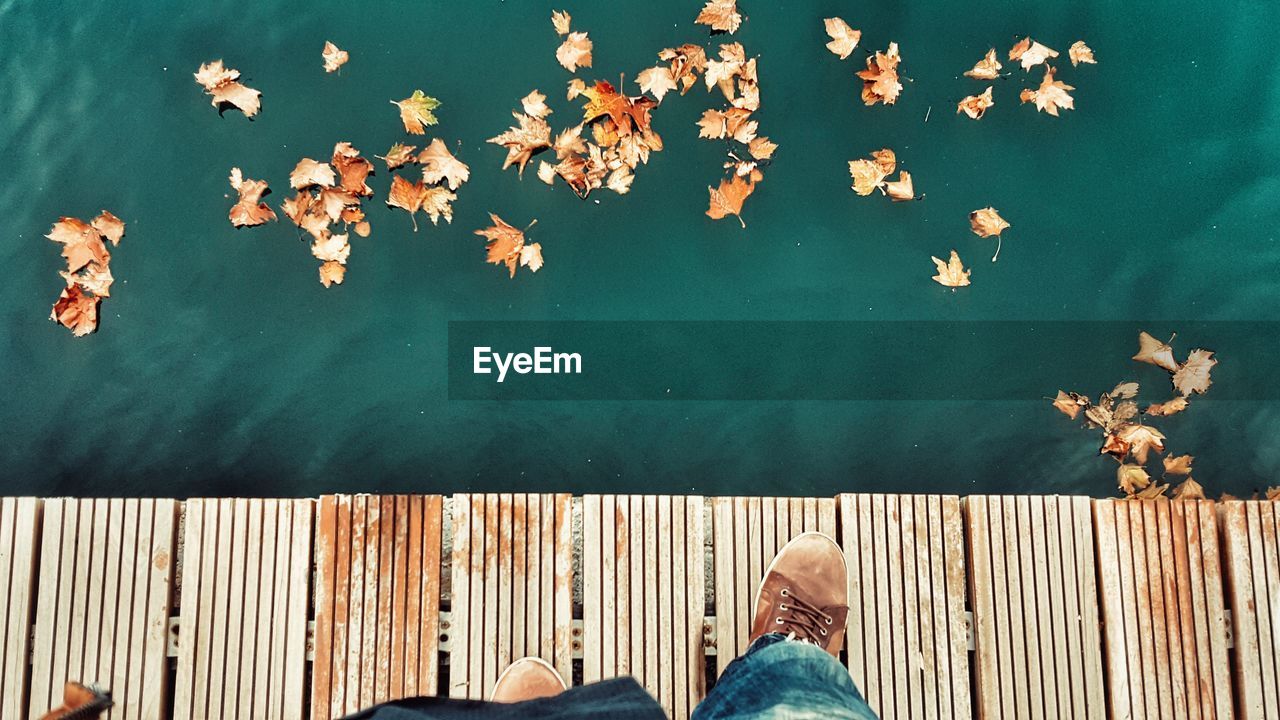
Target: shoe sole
[(532, 659), (755, 605)]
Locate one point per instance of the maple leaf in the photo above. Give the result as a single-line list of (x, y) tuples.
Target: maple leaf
[(76, 311), (1193, 375), (331, 248), (952, 273), (657, 81), (569, 142), (560, 21), (1141, 438), (249, 209), (576, 88), (880, 79), (1070, 403), (1151, 350), (222, 84), (867, 176), (1180, 465), (353, 169), (1030, 53), (574, 52), (438, 164), (1051, 95), (92, 278), (399, 155), (306, 213), (686, 62), (1164, 409), (522, 143), (900, 190), (1080, 53), (309, 173), (620, 180), (761, 148), (1132, 478), (332, 273), (81, 243), (333, 57), (1188, 489), (975, 106), (506, 246), (728, 198), (843, 38), (416, 112), (988, 68), (109, 226), (413, 197), (535, 104), (986, 223), (626, 112), (720, 16)]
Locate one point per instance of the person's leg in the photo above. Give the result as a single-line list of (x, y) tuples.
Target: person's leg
[(791, 671)]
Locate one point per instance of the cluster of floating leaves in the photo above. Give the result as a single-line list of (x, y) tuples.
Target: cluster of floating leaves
[(1051, 96), (88, 272), (1126, 438)]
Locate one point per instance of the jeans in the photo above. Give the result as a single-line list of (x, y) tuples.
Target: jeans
[(776, 679)]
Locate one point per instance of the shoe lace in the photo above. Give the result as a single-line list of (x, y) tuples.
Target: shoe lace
[(802, 619)]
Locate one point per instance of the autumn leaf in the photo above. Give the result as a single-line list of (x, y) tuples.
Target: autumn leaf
[(686, 62), (416, 112), (1152, 491), (309, 173), (1030, 53), (1180, 465), (109, 226), (76, 311), (574, 52), (900, 190), (352, 169), (1164, 409), (506, 246), (975, 106), (880, 79), (1080, 53), (531, 136), (720, 16), (986, 223), (761, 149), (728, 198), (1151, 350), (1132, 478), (988, 68), (576, 88), (1070, 403), (249, 209), (952, 273), (399, 155), (332, 273), (1193, 375), (93, 278), (560, 21), (626, 112), (331, 248), (438, 164), (333, 57), (1188, 489), (867, 176), (656, 81), (535, 104), (1141, 438), (222, 84), (1051, 95), (569, 143), (843, 38), (413, 197), (81, 243)]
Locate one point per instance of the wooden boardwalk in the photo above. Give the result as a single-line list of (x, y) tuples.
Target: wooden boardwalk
[(985, 606)]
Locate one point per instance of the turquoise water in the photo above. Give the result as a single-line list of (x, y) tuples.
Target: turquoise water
[(223, 367)]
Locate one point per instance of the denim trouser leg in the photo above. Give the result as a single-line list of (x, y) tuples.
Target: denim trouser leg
[(778, 679)]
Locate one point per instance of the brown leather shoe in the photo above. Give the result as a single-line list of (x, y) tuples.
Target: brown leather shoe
[(805, 592), (527, 679)]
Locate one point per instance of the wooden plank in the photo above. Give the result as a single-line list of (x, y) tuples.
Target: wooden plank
[(1172, 613), (326, 540), (369, 623), (652, 669), (249, 624), (342, 583), (871, 582), (235, 607), (1267, 513), (1245, 621), (428, 593), (742, 591), (399, 556), (491, 552), (936, 549), (533, 564), (826, 520), (592, 603), (919, 536), (1190, 639), (608, 589), (696, 608), (262, 705), (296, 624), (666, 623), (1056, 625), (1156, 594), (885, 688), (547, 572), (563, 580), (1087, 601), (519, 579), (1030, 605), (848, 543), (622, 587), (679, 612), (725, 585), (1216, 613), (912, 668), (1262, 607), (130, 596), (386, 589), (505, 560), (638, 562), (48, 593), (953, 542), (19, 543), (460, 618)]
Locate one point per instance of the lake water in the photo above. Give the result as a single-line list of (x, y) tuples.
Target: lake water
[(223, 367)]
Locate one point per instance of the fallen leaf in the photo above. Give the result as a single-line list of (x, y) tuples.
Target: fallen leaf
[(952, 273), (76, 311), (1132, 478), (627, 113), (1164, 409), (506, 246), (1051, 95), (656, 81), (1124, 391), (249, 209), (352, 169), (1193, 375), (576, 88), (438, 164), (400, 155), (413, 197), (1030, 53), (1070, 403), (560, 21), (720, 16), (333, 248), (110, 226), (1152, 491), (333, 57), (535, 104), (1188, 489), (620, 180), (569, 143), (546, 172), (880, 79), (1151, 350), (900, 190), (574, 52), (686, 62), (1080, 53), (1273, 493), (531, 136), (867, 176), (986, 223), (1142, 438), (728, 198), (309, 173), (761, 149), (416, 112), (1180, 465), (988, 68), (222, 84), (332, 273), (362, 228), (843, 38), (975, 106), (81, 243), (92, 278)]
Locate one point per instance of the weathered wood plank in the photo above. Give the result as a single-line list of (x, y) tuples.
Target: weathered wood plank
[(19, 532), (1250, 549)]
